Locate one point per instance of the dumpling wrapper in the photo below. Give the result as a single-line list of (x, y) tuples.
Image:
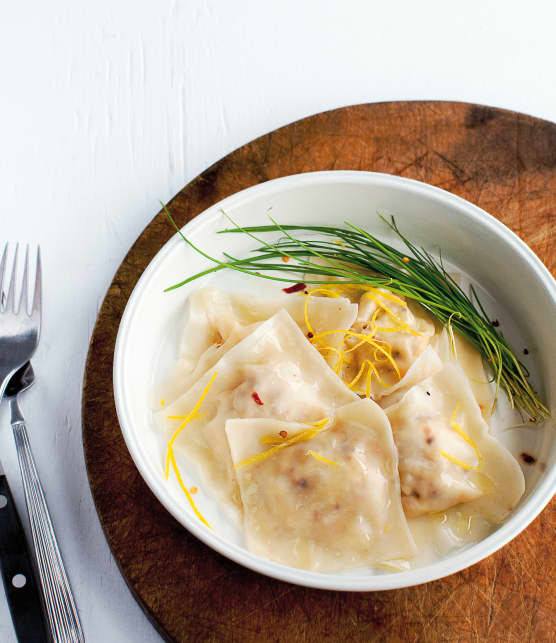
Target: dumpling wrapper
[(217, 320), (471, 361), (430, 482), (405, 346), (427, 364), (306, 513), (290, 377)]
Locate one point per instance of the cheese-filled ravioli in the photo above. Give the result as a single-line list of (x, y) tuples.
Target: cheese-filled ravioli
[(321, 497), (217, 320), (273, 372), (446, 455)]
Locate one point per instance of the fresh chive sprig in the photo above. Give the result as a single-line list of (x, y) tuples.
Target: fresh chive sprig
[(356, 257)]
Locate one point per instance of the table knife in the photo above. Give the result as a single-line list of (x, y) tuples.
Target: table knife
[(16, 563)]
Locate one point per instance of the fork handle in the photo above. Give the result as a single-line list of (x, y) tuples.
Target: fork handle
[(60, 605)]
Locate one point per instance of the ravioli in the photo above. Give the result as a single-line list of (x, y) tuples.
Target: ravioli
[(273, 372), (398, 333), (446, 455), (218, 320), (427, 364), (469, 358), (324, 503)]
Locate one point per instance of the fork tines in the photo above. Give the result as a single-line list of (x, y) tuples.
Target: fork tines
[(7, 301)]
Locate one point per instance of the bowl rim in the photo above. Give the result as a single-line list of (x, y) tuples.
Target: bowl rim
[(463, 558)]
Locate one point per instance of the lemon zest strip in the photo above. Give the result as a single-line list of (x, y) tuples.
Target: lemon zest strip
[(184, 488), (321, 458), (356, 346), (464, 465), (358, 376), (392, 314), (394, 329), (457, 428), (369, 340), (300, 437), (389, 295), (272, 439), (186, 421)]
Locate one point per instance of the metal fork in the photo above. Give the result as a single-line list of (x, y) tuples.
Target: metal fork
[(19, 336), (19, 331)]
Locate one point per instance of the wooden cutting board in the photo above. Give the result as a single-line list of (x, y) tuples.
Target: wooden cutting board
[(502, 161)]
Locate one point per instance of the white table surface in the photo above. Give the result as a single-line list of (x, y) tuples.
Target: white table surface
[(107, 107)]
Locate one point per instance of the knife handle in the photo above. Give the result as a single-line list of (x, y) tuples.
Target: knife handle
[(22, 592)]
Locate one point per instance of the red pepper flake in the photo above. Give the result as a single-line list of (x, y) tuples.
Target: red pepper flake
[(405, 259), (295, 288), (532, 420), (310, 335), (495, 323), (528, 459), (283, 434), (257, 399), (285, 258), (193, 490), (525, 351)]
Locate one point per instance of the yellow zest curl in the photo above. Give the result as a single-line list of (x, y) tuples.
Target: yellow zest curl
[(184, 488), (186, 421), (463, 465), (300, 437), (464, 435), (457, 428), (170, 458), (321, 458), (369, 340), (390, 296), (390, 312)]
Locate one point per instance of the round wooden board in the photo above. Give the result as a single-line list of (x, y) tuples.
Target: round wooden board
[(502, 161)]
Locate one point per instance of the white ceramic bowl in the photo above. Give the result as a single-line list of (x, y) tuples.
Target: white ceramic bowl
[(518, 290)]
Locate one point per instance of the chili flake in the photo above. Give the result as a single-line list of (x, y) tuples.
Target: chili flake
[(405, 259), (310, 335), (257, 399), (528, 459), (295, 288), (283, 434), (193, 490), (285, 258)]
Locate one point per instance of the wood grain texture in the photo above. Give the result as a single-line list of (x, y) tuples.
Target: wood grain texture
[(502, 161)]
